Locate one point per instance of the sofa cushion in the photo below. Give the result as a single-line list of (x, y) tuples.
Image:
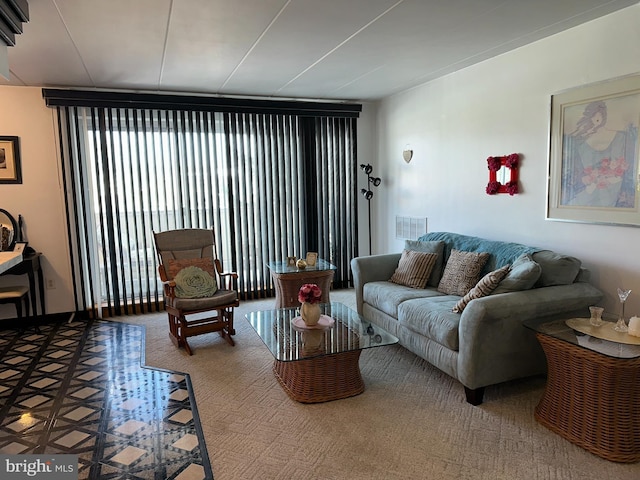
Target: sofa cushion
[(386, 296), (436, 247), (432, 318), (523, 275), (557, 269), (462, 272), (414, 269), (482, 288)]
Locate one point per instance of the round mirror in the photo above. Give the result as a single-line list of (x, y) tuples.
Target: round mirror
[(8, 231)]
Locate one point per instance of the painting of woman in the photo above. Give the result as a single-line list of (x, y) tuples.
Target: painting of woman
[(599, 162)]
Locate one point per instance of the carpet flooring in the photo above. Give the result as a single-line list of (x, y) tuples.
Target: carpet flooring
[(411, 422)]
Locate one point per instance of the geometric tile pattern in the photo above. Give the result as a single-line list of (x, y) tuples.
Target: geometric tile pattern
[(79, 388)]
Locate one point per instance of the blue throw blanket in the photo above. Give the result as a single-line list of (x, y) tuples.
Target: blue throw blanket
[(502, 253)]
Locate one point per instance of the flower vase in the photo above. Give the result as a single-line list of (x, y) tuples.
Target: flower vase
[(310, 313)]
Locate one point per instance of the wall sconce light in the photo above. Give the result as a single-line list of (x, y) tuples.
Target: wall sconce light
[(407, 153), (367, 193)]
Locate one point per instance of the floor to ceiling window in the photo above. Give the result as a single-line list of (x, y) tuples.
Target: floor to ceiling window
[(271, 179)]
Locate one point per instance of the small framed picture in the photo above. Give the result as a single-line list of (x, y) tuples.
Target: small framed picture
[(19, 247), (312, 258), (10, 160), (291, 261)]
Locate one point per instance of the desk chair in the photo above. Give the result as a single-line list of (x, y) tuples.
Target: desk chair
[(16, 295)]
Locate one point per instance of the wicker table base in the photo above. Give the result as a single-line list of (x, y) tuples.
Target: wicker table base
[(321, 379), (592, 400)]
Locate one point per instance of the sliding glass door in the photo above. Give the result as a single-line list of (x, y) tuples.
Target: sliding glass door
[(269, 185)]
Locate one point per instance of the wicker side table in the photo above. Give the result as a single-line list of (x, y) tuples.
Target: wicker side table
[(591, 399), (288, 280)]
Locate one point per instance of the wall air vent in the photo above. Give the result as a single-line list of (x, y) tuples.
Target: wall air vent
[(410, 228)]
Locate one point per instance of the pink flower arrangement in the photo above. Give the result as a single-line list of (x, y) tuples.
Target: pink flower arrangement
[(309, 293), (493, 187), (512, 187), (511, 161), (494, 163)]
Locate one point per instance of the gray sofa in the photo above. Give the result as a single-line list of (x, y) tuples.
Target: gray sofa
[(487, 343)]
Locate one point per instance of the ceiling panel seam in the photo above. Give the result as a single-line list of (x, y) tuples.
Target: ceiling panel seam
[(255, 44), (73, 42)]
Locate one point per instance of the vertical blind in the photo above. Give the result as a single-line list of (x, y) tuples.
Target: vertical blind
[(268, 184)]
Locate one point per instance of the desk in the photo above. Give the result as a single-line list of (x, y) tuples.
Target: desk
[(288, 281), (8, 260), (30, 265)]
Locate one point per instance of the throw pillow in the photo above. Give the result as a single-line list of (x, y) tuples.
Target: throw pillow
[(482, 288), (194, 277), (462, 272), (414, 269), (174, 265), (557, 269), (523, 275), (436, 247)]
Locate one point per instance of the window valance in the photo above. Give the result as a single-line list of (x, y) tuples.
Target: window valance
[(152, 101)]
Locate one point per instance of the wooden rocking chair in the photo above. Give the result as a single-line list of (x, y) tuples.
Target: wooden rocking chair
[(194, 283)]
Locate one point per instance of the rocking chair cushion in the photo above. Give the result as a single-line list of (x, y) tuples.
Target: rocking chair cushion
[(194, 277), (221, 298), (177, 264)]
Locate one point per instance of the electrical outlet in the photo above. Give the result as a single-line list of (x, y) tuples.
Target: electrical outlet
[(51, 284)]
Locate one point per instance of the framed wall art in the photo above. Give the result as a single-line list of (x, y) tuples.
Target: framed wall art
[(594, 154), (10, 160), (312, 259)]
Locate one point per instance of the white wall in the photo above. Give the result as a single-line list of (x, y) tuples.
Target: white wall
[(499, 107), (39, 198), (367, 154)]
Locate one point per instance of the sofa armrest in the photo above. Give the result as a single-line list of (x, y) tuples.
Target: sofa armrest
[(495, 346), (372, 268)]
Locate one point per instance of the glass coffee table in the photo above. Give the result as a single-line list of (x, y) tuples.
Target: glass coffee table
[(592, 397), (318, 364)]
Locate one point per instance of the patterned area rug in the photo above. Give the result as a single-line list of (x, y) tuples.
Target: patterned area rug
[(79, 388)]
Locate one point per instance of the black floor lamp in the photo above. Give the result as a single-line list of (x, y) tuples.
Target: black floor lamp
[(368, 193)]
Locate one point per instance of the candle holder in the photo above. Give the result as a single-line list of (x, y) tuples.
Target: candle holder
[(596, 316), (621, 325)]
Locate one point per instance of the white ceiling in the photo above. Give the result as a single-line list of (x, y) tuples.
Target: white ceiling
[(314, 49)]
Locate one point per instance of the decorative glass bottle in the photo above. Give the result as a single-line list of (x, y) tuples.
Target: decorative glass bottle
[(621, 325)]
